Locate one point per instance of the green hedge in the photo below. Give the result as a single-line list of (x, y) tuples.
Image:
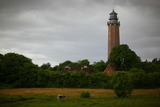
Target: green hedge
[(76, 79)]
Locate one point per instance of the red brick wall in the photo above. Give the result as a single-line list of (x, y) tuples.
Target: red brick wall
[(109, 69), (113, 37)]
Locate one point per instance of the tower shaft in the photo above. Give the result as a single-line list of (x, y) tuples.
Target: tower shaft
[(113, 37)]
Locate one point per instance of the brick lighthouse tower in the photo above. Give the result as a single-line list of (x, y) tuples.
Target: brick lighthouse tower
[(113, 32), (113, 38)]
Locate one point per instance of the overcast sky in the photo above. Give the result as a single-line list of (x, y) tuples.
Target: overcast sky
[(58, 30)]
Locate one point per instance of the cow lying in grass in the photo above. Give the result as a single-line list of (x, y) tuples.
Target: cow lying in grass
[(60, 97)]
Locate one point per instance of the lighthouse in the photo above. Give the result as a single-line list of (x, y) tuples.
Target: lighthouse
[(113, 38), (113, 32)]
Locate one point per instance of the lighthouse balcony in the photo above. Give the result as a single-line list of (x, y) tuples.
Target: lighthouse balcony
[(113, 22)]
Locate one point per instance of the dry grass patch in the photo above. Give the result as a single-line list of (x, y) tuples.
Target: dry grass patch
[(146, 91), (74, 93), (46, 97), (54, 91)]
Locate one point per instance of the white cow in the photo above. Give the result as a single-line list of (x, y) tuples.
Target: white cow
[(60, 97)]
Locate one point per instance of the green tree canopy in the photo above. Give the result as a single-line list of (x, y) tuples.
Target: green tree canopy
[(1, 59), (123, 57), (46, 66), (84, 62), (11, 66), (122, 84), (79, 63), (156, 61), (12, 61), (99, 66)]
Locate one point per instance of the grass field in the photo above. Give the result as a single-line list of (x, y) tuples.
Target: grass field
[(46, 97)]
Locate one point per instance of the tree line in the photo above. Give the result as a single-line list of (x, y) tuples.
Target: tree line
[(18, 71)]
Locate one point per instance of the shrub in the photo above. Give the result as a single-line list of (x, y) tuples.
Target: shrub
[(135, 70), (85, 94), (122, 84)]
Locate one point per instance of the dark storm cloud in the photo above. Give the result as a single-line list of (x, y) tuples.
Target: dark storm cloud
[(58, 30)]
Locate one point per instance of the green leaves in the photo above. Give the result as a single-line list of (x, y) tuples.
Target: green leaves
[(85, 94), (123, 57), (122, 84), (99, 66)]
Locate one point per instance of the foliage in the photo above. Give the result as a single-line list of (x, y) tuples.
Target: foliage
[(74, 79), (122, 84), (85, 94), (99, 66), (11, 65), (1, 59), (46, 66), (135, 70), (149, 66), (156, 61), (18, 71), (123, 58), (95, 67), (79, 63), (84, 62), (13, 60), (146, 80)]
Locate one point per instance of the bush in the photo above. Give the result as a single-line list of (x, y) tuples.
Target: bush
[(122, 84), (135, 70), (85, 94)]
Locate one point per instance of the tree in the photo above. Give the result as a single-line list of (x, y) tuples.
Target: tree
[(135, 70), (122, 84), (1, 73), (46, 66), (99, 66), (27, 76), (12, 61), (79, 63), (156, 61), (123, 58), (11, 66), (1, 61), (84, 62), (149, 67), (1, 57), (61, 65)]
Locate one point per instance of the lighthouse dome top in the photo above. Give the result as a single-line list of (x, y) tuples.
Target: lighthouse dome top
[(113, 12), (113, 19)]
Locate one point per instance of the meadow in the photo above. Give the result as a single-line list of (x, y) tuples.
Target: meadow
[(46, 97)]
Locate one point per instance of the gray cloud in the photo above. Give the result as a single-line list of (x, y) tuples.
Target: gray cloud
[(59, 30)]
